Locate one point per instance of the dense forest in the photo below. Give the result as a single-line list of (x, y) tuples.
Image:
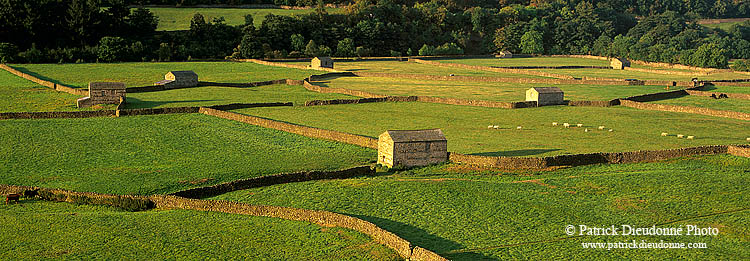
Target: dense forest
[(65, 31)]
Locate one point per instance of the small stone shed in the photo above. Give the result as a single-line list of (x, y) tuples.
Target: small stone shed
[(322, 62), (545, 96), (179, 79), (103, 93), (619, 63), (505, 54), (412, 148)]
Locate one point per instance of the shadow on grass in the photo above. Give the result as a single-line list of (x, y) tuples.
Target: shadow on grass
[(135, 103), (421, 238), (26, 71), (515, 153)]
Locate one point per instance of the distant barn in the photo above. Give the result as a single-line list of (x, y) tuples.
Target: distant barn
[(619, 63), (412, 148), (179, 79), (545, 96), (322, 62), (505, 54)]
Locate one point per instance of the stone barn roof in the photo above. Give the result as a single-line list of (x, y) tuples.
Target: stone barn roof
[(181, 74), (547, 89), (416, 135)]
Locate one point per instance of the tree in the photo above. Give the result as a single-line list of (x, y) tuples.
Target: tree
[(141, 23), (426, 50), (8, 52), (345, 48), (251, 47), (311, 49), (603, 46), (84, 17), (298, 42), (710, 55), (112, 49), (531, 43)]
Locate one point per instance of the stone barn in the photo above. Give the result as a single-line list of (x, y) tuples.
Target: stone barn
[(179, 79), (505, 54), (619, 63), (412, 148), (103, 93), (545, 96), (322, 62)]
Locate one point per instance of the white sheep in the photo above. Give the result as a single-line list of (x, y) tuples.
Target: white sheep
[(601, 127), (663, 134), (610, 130), (489, 127), (554, 124), (579, 125), (690, 137), (586, 130), (566, 125), (679, 136), (518, 128), (748, 139), (496, 127)]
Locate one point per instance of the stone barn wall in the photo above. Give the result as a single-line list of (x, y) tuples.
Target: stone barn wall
[(412, 148)]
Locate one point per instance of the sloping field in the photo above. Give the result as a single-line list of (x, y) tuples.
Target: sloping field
[(157, 154), (737, 105), (464, 215), (465, 127), (173, 19), (36, 229), (20, 95)]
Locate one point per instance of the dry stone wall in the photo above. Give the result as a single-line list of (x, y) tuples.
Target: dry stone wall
[(358, 140), (492, 69), (585, 159), (742, 96), (49, 84), (363, 100), (57, 114), (739, 150)]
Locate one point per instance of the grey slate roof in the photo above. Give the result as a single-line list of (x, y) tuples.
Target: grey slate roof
[(416, 135)]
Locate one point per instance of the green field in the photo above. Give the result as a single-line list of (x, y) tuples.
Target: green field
[(44, 230), (173, 19), (157, 154), (414, 68), (490, 91), (20, 95), (145, 74), (728, 89), (624, 74), (534, 61), (452, 208), (737, 105), (465, 127), (206, 96)]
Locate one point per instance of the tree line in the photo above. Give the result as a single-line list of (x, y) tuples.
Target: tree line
[(107, 31)]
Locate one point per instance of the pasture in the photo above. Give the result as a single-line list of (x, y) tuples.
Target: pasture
[(20, 95), (174, 19), (737, 105), (534, 61), (490, 91), (468, 214), (465, 127), (157, 154), (45, 230), (461, 212), (145, 74), (206, 96)]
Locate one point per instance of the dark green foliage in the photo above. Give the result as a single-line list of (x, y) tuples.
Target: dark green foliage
[(345, 48), (741, 65), (112, 49), (8, 52)]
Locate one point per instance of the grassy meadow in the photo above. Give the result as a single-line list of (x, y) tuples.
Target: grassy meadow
[(20, 95), (737, 105), (146, 74), (490, 91), (465, 127), (157, 154), (464, 213), (174, 19), (728, 89), (206, 96), (533, 61), (414, 68), (45, 230)]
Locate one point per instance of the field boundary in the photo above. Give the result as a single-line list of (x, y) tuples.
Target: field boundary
[(685, 109), (585, 159), (362, 141), (741, 96), (264, 181), (362, 100), (320, 217), (157, 88), (52, 85)]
